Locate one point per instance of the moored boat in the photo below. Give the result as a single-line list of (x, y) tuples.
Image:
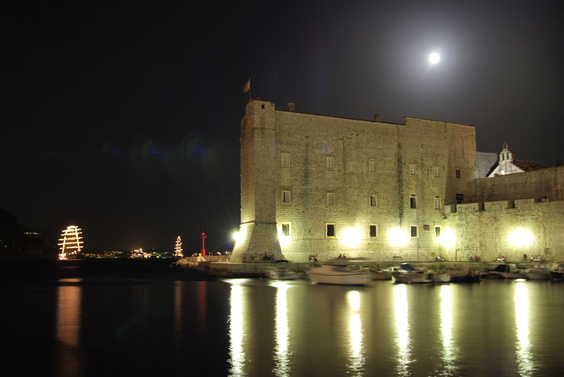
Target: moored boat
[(506, 271), (414, 277), (538, 273), (557, 272), (281, 274), (386, 273), (339, 275), (439, 278), (463, 274)]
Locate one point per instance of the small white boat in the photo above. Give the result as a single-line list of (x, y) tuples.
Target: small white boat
[(462, 274), (538, 273), (339, 275)]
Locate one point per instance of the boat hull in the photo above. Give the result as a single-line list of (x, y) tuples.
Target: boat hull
[(281, 275), (338, 276), (413, 278), (537, 274)]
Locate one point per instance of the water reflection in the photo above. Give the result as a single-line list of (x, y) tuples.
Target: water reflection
[(403, 340), (357, 359), (282, 331), (448, 351), (236, 324), (69, 310), (523, 347), (177, 312)]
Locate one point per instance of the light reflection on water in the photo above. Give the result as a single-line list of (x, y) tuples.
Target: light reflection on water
[(254, 327), (523, 347), (403, 340), (69, 308), (356, 358), (282, 332), (448, 352), (237, 323)]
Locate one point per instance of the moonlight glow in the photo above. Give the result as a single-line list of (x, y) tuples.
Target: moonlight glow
[(434, 58)]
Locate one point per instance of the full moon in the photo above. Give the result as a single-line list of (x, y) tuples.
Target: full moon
[(434, 58)]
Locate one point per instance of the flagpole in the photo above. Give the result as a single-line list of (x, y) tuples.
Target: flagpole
[(247, 88)]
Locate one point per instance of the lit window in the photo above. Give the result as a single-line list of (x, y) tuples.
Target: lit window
[(437, 231), (412, 202), (412, 169), (373, 231), (437, 202), (330, 230), (330, 162), (436, 171), (413, 231), (330, 198), (285, 159), (373, 201), (286, 196), (286, 229), (372, 166)]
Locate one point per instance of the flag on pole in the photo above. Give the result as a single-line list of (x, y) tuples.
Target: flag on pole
[(247, 86)]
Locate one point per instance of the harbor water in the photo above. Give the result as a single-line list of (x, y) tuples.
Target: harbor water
[(77, 321)]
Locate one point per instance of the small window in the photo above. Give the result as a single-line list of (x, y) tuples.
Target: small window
[(437, 231), (286, 229), (371, 166), (457, 173), (412, 202), (373, 201), (285, 159), (435, 171), (330, 230), (330, 198), (413, 231), (330, 163), (437, 202), (412, 169), (373, 231), (286, 196)]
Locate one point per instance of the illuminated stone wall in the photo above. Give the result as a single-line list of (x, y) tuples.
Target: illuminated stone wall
[(486, 229), (421, 174), (391, 162), (542, 185), (258, 186)]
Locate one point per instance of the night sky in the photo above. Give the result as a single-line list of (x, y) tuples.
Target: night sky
[(124, 119)]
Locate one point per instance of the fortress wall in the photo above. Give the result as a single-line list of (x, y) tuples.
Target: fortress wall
[(309, 139), (487, 233), (404, 158), (353, 144), (539, 184)]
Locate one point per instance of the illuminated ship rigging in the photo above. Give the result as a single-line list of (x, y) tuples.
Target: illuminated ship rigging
[(178, 248), (70, 242)]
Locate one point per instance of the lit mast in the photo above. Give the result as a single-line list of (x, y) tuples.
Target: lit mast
[(70, 242), (178, 248)]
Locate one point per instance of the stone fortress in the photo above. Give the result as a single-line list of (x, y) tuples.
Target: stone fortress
[(320, 186)]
